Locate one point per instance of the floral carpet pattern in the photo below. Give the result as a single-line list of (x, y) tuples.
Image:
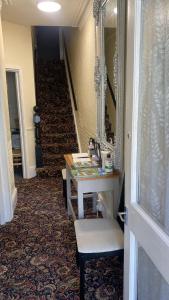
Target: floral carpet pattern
[(37, 251)]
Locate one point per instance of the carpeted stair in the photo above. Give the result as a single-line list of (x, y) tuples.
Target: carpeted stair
[(58, 135), (108, 127)]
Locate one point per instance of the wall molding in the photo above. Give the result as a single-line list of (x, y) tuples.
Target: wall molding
[(14, 198), (31, 172)]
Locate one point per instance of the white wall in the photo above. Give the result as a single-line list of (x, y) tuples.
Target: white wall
[(18, 55)]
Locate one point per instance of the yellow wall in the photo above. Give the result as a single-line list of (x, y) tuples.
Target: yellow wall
[(81, 50), (18, 55)]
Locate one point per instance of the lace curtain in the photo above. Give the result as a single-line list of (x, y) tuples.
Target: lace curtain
[(153, 134)]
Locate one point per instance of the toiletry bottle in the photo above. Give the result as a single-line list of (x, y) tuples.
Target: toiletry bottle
[(108, 164), (91, 147)]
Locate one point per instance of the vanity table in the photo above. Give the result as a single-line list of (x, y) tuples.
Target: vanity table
[(94, 184)]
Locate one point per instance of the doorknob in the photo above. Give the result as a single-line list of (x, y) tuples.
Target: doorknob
[(123, 215)]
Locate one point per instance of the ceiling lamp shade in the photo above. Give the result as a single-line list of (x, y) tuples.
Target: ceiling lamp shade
[(48, 6)]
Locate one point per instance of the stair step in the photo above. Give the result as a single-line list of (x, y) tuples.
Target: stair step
[(54, 99), (52, 107), (55, 119), (52, 68), (58, 128), (49, 171), (58, 115), (53, 159), (50, 89), (59, 148), (54, 102), (51, 79), (55, 109), (59, 138), (110, 134), (61, 135)]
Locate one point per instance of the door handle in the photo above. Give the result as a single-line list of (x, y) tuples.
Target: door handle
[(124, 216)]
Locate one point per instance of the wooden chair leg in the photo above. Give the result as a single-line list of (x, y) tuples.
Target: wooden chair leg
[(82, 278)]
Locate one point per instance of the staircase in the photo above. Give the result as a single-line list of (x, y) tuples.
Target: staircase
[(58, 135), (108, 128)]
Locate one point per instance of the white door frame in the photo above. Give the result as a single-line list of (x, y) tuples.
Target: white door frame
[(18, 76), (140, 227)]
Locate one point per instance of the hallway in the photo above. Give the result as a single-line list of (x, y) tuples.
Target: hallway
[(37, 258)]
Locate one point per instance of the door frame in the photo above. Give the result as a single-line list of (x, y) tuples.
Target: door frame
[(18, 78), (140, 227)]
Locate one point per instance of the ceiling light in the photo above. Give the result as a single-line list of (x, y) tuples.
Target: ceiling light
[(48, 6), (115, 10)]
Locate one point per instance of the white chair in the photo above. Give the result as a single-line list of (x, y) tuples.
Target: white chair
[(96, 238)]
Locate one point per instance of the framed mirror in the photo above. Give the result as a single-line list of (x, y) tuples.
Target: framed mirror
[(109, 75)]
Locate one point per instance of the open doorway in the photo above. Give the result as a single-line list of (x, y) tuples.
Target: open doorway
[(15, 114)]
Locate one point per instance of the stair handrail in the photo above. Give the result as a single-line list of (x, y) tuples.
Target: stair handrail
[(111, 91), (70, 75)]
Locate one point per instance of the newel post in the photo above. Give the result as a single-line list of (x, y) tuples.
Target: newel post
[(38, 148)]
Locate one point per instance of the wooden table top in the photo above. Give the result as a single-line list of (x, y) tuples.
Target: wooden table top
[(69, 160)]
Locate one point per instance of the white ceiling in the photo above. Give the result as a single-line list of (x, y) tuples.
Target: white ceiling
[(25, 12)]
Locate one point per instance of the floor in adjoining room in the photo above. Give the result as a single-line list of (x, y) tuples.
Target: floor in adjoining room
[(37, 251)]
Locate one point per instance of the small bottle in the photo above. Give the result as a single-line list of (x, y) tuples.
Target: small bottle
[(108, 164), (91, 147)]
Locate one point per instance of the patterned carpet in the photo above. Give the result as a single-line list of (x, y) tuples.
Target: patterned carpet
[(37, 251)]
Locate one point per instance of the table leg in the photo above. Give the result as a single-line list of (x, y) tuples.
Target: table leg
[(80, 201), (68, 187)]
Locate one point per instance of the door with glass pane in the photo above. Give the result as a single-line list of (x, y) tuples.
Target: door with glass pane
[(146, 266)]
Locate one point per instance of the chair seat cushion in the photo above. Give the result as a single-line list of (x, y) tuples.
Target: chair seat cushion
[(98, 235)]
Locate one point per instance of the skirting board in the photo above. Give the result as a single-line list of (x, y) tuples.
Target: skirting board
[(8, 212), (14, 199), (31, 172)]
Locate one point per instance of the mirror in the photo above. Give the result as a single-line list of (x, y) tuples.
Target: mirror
[(109, 75), (110, 53)]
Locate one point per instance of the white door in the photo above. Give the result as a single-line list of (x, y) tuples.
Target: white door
[(146, 265)]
